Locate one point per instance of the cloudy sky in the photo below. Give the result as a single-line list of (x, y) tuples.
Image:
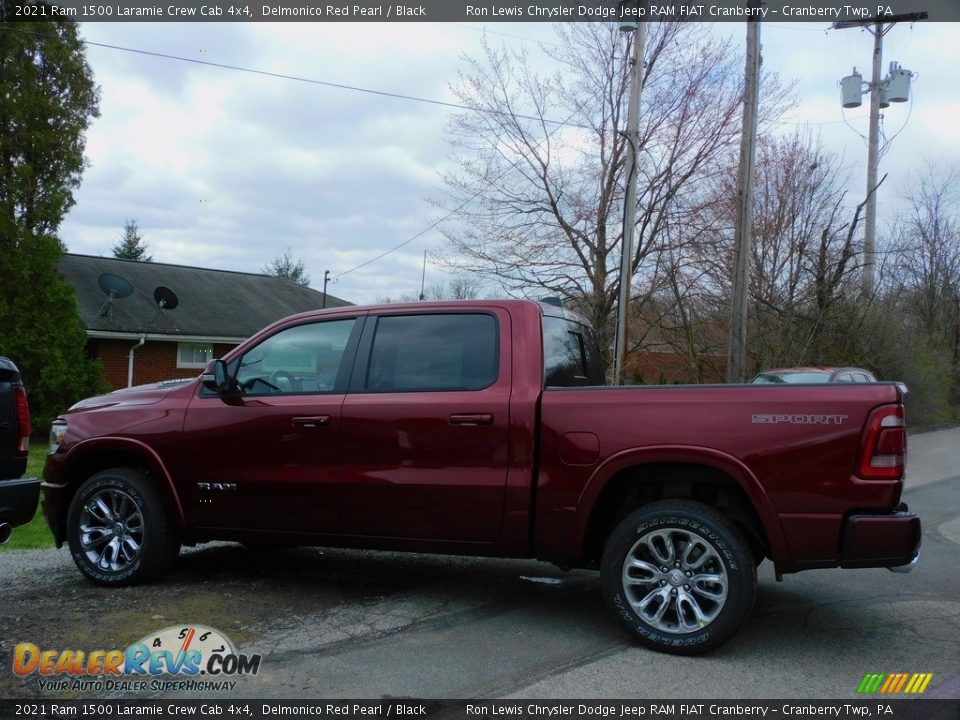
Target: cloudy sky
[(227, 169)]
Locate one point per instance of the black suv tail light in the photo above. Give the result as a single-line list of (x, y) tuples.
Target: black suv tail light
[(23, 419)]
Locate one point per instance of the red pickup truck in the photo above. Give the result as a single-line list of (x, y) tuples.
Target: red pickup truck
[(480, 428)]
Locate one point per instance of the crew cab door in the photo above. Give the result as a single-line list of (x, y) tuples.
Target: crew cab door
[(425, 427), (266, 458)]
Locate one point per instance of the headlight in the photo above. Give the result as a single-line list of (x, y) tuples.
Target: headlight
[(57, 431)]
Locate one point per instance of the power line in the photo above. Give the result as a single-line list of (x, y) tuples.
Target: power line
[(484, 29), (825, 31), (453, 212), (409, 240), (559, 124), (313, 81), (811, 122)]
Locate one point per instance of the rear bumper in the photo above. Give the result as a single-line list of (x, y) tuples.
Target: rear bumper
[(890, 541), (18, 500)]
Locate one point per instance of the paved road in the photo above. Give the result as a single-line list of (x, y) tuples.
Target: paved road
[(333, 623), (933, 456)]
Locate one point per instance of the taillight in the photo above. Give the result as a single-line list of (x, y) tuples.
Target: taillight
[(23, 419), (883, 452)]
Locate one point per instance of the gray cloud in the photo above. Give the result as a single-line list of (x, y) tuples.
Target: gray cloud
[(228, 169)]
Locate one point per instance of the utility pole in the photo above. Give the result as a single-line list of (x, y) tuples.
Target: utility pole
[(743, 234), (876, 88), (326, 279), (873, 161), (630, 210)]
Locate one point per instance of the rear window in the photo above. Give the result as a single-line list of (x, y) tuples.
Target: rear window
[(792, 378), (434, 352), (570, 353)]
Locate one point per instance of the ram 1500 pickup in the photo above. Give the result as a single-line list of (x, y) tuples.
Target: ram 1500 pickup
[(481, 428)]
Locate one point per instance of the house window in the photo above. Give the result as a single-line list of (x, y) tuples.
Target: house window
[(194, 355)]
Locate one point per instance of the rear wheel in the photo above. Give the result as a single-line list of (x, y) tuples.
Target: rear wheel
[(119, 529), (679, 576)]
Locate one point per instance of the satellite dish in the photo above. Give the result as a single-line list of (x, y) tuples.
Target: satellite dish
[(114, 286), (166, 298)]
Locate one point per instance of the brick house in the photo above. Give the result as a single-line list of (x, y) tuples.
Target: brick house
[(216, 311)]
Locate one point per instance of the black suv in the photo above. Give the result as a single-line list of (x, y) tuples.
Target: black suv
[(18, 495)]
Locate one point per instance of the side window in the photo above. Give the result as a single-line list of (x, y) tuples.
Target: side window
[(846, 377), (433, 352), (300, 359), (571, 357)]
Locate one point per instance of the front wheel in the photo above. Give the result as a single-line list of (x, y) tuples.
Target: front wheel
[(679, 576), (119, 529)]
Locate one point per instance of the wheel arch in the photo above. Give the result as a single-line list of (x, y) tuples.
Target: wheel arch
[(636, 477), (89, 457)]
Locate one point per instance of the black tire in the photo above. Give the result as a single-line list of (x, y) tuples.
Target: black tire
[(658, 607), (142, 549)]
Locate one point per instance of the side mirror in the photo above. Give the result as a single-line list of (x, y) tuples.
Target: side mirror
[(216, 378)]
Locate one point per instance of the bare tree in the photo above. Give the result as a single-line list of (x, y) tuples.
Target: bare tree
[(928, 253), (459, 288), (541, 202), (286, 266), (804, 253), (801, 266)]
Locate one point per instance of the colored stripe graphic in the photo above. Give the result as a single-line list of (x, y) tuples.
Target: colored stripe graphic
[(870, 683), (894, 683), (897, 683), (900, 683)]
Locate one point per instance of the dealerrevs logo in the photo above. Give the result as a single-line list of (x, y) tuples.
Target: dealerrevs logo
[(190, 651)]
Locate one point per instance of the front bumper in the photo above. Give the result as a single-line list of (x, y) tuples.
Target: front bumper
[(55, 503), (18, 500), (890, 541)]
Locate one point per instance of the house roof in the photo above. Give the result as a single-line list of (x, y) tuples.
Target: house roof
[(212, 303)]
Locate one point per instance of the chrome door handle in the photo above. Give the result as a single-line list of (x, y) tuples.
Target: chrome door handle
[(312, 421)]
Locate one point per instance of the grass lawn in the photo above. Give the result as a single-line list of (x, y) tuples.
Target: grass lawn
[(35, 534)]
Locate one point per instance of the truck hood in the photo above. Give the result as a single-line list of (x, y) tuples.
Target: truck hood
[(131, 396)]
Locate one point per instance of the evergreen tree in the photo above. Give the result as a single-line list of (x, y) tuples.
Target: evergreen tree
[(131, 245), (49, 98)]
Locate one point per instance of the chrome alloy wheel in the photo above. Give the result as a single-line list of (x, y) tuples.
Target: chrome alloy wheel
[(675, 581), (111, 530)]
